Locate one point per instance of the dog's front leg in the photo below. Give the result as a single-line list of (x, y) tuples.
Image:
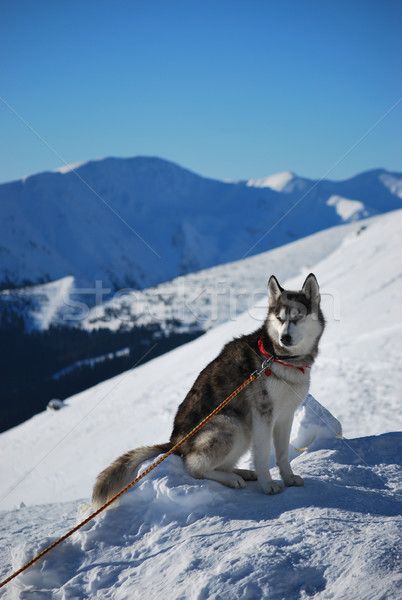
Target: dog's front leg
[(262, 436), (282, 431)]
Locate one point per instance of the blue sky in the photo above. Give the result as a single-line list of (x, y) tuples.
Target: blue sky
[(229, 89)]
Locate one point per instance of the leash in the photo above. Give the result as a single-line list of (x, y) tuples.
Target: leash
[(252, 378)]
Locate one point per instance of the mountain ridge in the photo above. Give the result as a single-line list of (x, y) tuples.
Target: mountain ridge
[(136, 222)]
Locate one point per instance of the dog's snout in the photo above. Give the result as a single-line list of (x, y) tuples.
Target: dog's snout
[(286, 339)]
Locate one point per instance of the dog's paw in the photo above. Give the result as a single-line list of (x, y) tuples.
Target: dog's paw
[(246, 474), (293, 480), (271, 487), (236, 481)]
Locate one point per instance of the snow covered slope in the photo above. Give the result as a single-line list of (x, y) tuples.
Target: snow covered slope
[(41, 305), (338, 537), (197, 301), (207, 298), (174, 537), (140, 221)]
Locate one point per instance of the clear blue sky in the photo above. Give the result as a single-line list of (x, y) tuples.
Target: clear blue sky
[(230, 89)]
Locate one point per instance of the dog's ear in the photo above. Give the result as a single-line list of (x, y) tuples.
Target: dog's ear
[(274, 290), (311, 289)]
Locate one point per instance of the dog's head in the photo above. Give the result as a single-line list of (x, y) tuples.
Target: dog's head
[(295, 322)]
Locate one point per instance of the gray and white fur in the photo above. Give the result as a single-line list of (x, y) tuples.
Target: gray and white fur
[(261, 413)]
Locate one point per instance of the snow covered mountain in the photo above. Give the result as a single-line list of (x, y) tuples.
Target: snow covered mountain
[(55, 345), (141, 221), (196, 301), (176, 537), (113, 241)]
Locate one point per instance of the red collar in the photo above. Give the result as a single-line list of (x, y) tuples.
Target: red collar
[(268, 371)]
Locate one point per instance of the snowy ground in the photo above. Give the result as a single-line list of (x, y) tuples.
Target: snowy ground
[(174, 537)]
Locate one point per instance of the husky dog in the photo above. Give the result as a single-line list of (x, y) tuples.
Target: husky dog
[(260, 413)]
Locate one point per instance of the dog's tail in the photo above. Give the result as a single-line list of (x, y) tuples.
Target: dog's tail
[(122, 471)]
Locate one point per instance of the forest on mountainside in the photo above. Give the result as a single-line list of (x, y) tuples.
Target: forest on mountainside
[(39, 366)]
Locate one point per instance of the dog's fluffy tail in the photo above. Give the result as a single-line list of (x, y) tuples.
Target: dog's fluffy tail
[(122, 471)]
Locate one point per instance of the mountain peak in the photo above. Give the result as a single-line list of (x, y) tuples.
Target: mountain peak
[(135, 222), (277, 182)]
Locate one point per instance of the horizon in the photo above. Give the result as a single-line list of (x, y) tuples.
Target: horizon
[(228, 90), (72, 167)]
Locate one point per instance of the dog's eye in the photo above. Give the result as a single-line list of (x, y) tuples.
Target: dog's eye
[(296, 318)]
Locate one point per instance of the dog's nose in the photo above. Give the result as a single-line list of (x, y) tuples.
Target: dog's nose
[(286, 339)]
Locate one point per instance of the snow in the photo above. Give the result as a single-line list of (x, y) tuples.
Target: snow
[(52, 296), (172, 536), (102, 220), (92, 361), (70, 167), (208, 298), (199, 300), (276, 182), (394, 184), (347, 209)]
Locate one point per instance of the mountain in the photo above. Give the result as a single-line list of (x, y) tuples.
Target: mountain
[(54, 344), (138, 222), (172, 536), (196, 301), (106, 247)]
